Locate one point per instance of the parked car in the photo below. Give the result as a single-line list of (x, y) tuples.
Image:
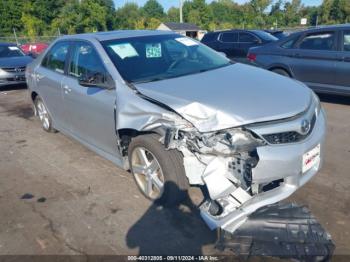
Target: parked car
[(280, 34), (177, 113), (319, 57), (236, 43), (34, 49), (12, 64)]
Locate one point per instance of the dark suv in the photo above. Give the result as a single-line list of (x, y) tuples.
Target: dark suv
[(236, 43), (319, 57)]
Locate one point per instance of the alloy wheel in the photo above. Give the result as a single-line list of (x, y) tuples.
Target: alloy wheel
[(147, 172)]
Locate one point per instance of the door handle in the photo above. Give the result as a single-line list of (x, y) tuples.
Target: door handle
[(66, 89), (297, 55), (346, 59)]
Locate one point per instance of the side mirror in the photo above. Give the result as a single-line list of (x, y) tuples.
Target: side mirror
[(98, 80)]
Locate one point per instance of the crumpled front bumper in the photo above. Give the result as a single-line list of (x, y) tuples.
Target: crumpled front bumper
[(275, 162)]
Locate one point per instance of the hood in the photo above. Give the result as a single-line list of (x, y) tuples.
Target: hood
[(231, 96), (17, 61)]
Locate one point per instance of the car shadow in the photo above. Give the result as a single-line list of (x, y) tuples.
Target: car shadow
[(175, 230), (13, 87), (334, 99)]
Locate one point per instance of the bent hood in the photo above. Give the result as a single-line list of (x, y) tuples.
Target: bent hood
[(231, 96), (17, 61)]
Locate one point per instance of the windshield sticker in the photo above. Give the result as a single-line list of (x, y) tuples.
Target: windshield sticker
[(153, 50), (124, 50), (13, 48), (186, 41)]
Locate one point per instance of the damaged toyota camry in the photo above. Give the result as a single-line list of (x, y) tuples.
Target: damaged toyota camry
[(170, 109)]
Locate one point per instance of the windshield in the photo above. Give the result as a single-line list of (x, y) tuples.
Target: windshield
[(265, 36), (152, 58), (10, 51)]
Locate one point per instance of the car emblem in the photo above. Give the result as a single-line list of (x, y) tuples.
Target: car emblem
[(305, 126), (18, 70)]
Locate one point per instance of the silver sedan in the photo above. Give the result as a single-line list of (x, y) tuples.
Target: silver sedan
[(177, 113)]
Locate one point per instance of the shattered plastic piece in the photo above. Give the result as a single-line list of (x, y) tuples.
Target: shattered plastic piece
[(27, 196), (214, 176), (281, 230), (41, 200)]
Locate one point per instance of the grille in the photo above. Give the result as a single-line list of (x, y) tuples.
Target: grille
[(14, 69), (290, 136)]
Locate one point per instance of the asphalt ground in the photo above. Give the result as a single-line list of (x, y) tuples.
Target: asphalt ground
[(57, 197)]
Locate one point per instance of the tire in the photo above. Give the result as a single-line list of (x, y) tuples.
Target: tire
[(281, 72), (43, 115), (171, 169)]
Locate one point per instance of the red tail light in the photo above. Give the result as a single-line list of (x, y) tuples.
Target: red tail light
[(251, 57)]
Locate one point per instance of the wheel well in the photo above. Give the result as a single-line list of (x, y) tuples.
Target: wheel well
[(127, 134), (33, 95), (281, 68)]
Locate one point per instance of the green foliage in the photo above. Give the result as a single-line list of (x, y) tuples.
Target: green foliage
[(39, 17)]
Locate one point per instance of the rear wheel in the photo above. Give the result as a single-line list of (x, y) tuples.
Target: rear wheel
[(281, 71), (43, 114), (158, 173)]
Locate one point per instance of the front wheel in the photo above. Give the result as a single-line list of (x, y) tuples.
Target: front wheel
[(158, 173)]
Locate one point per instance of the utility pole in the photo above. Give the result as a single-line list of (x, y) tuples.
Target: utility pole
[(14, 32), (180, 9), (316, 20)]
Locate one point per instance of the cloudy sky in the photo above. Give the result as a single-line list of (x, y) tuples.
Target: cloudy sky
[(169, 3)]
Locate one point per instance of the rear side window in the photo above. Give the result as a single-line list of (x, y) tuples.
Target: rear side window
[(229, 37), (85, 61), (346, 42), (318, 41), (56, 57), (209, 37), (289, 44), (247, 38)]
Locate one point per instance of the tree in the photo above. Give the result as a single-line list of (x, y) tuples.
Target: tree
[(173, 14), (127, 16), (152, 9), (197, 12)]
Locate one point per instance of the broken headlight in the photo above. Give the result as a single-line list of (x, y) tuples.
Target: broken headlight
[(231, 141)]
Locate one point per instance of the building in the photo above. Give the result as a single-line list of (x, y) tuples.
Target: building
[(185, 29)]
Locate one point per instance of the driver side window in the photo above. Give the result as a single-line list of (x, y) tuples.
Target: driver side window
[(85, 62)]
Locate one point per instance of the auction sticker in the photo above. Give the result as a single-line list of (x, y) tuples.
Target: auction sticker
[(153, 50), (186, 41)]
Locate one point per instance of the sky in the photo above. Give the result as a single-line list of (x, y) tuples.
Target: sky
[(169, 3)]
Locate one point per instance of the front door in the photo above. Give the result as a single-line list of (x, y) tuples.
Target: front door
[(313, 61), (91, 109), (342, 83)]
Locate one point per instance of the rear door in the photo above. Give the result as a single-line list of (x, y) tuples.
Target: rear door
[(342, 83), (228, 44), (90, 109), (246, 41), (313, 60), (48, 77)]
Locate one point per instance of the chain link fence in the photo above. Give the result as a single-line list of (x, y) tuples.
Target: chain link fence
[(24, 40)]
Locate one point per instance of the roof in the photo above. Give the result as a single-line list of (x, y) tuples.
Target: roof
[(182, 26), (119, 34), (6, 44)]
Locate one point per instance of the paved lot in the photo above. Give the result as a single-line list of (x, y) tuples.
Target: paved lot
[(82, 204)]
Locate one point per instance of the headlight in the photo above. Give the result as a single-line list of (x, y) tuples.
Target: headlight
[(233, 140)]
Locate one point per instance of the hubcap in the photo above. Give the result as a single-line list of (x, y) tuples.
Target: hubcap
[(43, 114), (148, 173)]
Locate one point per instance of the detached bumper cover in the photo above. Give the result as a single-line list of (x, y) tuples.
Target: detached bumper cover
[(280, 230), (276, 162)]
